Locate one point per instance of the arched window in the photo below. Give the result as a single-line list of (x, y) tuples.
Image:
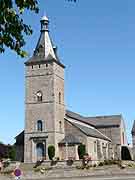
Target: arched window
[(59, 98), (39, 96), (39, 125), (60, 125)]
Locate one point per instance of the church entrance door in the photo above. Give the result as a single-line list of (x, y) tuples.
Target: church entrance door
[(40, 151)]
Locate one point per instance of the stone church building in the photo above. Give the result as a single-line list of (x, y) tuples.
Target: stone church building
[(47, 122)]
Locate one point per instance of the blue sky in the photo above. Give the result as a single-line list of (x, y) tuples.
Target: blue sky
[(96, 42)]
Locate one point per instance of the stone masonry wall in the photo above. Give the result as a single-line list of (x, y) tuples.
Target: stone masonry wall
[(49, 79)]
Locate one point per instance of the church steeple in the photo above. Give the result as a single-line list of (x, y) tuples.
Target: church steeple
[(44, 107), (44, 46), (45, 50)]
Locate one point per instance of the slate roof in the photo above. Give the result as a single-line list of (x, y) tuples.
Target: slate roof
[(76, 116), (88, 130), (45, 51), (20, 139), (97, 121), (70, 139), (36, 58), (105, 121)]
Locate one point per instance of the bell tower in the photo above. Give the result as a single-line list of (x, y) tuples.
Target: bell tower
[(44, 98)]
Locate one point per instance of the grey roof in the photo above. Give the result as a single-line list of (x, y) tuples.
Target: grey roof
[(20, 139), (105, 121), (89, 131), (45, 51), (40, 60), (70, 139), (133, 128), (97, 121), (76, 116)]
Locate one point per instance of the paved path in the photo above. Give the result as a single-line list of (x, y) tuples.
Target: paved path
[(98, 178), (107, 178), (126, 177), (113, 173)]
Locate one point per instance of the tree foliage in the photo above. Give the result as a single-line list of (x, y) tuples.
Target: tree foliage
[(12, 153), (12, 26), (81, 150), (51, 152), (7, 151), (3, 151)]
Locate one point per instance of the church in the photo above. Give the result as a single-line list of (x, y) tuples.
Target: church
[(48, 122)]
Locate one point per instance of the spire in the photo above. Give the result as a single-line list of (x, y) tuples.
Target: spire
[(45, 50), (44, 46)]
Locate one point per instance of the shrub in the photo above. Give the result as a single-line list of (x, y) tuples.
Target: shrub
[(12, 153), (130, 165), (6, 164), (42, 170), (101, 164), (87, 167), (94, 165), (51, 152), (107, 162), (81, 151), (37, 169)]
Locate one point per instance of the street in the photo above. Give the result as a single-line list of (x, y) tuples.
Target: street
[(121, 177), (106, 178), (95, 178)]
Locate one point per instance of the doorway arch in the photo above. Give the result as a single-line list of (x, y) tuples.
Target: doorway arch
[(40, 151)]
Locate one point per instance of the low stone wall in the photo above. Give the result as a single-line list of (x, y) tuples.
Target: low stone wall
[(57, 164), (54, 165), (66, 164), (61, 164)]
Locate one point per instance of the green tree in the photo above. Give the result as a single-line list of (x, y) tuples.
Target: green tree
[(81, 150), (12, 26), (3, 151), (12, 153), (51, 152)]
